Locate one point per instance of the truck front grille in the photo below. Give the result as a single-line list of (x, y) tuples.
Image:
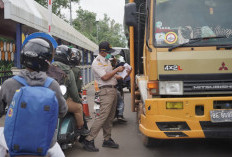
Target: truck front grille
[(207, 87)]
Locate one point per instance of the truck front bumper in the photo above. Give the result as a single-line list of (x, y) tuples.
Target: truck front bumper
[(162, 123)]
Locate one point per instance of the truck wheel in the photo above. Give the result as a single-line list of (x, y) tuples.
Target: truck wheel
[(147, 141), (151, 142)]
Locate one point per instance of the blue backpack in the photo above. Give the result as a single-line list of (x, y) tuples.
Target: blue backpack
[(31, 119)]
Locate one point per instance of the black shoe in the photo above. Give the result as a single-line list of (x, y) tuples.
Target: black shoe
[(83, 131), (121, 119), (89, 146), (110, 143), (81, 139)]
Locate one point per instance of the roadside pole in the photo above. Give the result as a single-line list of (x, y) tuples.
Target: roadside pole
[(132, 64), (49, 16)]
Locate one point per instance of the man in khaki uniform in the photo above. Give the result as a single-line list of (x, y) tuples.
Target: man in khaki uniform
[(106, 79)]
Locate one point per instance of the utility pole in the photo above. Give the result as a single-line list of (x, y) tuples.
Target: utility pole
[(97, 30), (49, 16), (70, 1)]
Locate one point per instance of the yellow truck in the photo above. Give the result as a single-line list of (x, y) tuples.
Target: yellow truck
[(181, 53)]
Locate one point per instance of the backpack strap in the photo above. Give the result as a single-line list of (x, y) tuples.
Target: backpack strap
[(20, 80), (48, 82), (23, 81)]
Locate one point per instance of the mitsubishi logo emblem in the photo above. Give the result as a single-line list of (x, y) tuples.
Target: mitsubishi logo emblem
[(223, 67)]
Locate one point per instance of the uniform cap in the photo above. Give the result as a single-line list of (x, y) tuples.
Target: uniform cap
[(105, 47)]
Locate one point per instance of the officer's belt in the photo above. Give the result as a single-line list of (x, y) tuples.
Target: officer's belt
[(107, 86)]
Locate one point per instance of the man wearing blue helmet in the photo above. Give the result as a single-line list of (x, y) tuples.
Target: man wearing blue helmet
[(36, 56)]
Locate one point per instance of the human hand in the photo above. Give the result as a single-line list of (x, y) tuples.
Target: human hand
[(120, 68), (128, 72)]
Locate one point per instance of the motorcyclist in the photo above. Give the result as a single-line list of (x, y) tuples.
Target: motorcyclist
[(62, 60), (36, 56), (74, 63)]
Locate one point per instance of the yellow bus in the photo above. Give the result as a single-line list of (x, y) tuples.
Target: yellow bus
[(181, 54)]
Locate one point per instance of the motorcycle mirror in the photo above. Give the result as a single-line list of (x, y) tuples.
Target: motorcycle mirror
[(63, 89)]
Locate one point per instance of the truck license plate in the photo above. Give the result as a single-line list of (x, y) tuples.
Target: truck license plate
[(218, 116)]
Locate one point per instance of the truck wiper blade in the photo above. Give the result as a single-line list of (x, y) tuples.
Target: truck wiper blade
[(194, 40), (206, 38)]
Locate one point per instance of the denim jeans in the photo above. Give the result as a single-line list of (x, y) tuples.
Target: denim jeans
[(120, 104)]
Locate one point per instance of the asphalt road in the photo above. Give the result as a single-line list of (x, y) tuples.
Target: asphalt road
[(130, 140)]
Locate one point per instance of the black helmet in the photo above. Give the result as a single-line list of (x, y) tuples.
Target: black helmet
[(36, 54), (75, 56), (63, 54)]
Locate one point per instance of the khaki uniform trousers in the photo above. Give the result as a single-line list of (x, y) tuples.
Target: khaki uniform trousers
[(77, 110), (108, 103)]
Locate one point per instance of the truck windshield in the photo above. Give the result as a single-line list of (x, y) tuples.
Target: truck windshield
[(178, 21)]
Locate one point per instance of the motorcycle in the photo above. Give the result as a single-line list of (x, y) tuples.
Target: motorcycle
[(67, 128), (96, 106), (67, 131)]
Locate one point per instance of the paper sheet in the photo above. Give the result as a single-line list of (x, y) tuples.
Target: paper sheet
[(124, 73)]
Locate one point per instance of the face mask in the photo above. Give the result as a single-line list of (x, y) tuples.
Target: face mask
[(108, 56)]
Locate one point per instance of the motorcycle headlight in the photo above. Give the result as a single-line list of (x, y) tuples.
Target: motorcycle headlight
[(171, 87)]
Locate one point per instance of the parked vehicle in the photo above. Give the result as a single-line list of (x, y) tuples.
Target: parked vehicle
[(181, 82)]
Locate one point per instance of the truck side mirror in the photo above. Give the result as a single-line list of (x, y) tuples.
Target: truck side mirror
[(130, 14)]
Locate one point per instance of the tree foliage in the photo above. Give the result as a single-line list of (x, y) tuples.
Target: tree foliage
[(98, 31), (85, 22), (57, 5)]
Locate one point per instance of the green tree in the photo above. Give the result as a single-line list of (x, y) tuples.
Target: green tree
[(57, 5), (85, 23), (98, 31)]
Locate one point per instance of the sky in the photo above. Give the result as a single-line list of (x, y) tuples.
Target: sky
[(113, 8)]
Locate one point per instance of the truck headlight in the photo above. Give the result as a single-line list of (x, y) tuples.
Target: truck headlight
[(171, 87)]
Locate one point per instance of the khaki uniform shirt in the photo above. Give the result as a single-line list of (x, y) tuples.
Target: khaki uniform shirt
[(100, 67)]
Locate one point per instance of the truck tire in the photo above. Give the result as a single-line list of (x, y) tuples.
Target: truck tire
[(147, 141), (151, 142)]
